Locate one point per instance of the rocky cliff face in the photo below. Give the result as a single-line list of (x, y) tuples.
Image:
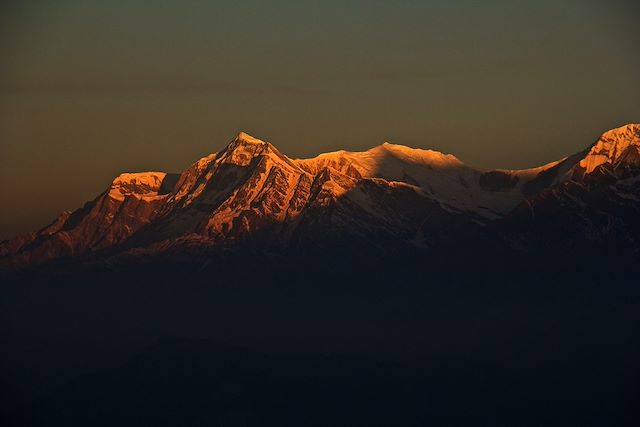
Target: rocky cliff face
[(389, 197)]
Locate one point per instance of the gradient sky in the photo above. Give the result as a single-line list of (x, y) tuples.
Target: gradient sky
[(89, 89)]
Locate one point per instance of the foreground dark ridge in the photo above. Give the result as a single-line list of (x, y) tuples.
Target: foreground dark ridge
[(389, 198)]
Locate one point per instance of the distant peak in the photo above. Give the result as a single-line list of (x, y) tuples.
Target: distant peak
[(612, 146), (138, 178), (420, 154), (140, 183), (631, 129), (245, 147), (246, 138)]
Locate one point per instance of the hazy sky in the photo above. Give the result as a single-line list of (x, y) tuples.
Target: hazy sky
[(92, 88)]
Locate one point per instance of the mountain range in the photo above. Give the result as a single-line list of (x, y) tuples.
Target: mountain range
[(390, 198), (394, 286)]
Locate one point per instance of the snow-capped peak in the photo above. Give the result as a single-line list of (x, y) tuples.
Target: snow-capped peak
[(419, 155), (139, 184), (248, 139), (147, 179), (612, 146), (242, 149)]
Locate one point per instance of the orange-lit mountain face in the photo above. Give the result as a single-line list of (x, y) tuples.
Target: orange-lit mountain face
[(391, 197)]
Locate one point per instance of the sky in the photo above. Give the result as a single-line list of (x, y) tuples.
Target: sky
[(90, 89)]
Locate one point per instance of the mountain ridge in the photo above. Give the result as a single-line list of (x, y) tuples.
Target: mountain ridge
[(389, 196)]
